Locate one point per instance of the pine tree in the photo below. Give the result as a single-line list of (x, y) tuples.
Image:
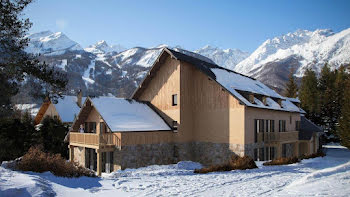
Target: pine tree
[(327, 98), (309, 96), (291, 86), (344, 121), (15, 63)]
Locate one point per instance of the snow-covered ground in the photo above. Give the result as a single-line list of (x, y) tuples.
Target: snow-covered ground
[(328, 176)]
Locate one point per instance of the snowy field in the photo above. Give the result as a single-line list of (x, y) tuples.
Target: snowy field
[(328, 176)]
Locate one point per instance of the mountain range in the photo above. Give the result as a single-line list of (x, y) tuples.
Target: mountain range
[(101, 69)]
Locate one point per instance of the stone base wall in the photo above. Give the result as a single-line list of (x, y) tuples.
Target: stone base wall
[(161, 154), (79, 155), (144, 155), (208, 153)]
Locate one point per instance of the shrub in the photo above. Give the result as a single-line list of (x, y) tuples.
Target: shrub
[(235, 163), (51, 136), (314, 155), (282, 161), (15, 137), (38, 161)]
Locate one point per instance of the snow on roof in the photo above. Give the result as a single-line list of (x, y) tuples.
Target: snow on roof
[(230, 79), (128, 115), (235, 82), (67, 108)]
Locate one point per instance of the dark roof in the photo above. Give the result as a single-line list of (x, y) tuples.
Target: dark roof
[(307, 129), (229, 80), (201, 64)]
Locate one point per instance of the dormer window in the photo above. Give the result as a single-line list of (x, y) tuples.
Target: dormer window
[(174, 99)]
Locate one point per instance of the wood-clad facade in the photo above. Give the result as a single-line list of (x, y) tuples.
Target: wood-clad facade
[(209, 123)]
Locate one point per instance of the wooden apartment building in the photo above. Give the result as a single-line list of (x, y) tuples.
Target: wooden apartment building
[(188, 109)]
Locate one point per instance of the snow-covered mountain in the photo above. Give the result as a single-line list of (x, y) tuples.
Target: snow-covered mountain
[(227, 58), (103, 47), (50, 43), (302, 49), (101, 69)]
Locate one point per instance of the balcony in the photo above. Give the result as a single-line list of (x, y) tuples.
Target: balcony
[(93, 140), (278, 136)]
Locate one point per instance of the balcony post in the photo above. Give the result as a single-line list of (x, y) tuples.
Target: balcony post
[(99, 162), (71, 152)]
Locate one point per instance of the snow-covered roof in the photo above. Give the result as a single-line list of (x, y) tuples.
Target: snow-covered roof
[(128, 115), (233, 80), (67, 108), (237, 84)]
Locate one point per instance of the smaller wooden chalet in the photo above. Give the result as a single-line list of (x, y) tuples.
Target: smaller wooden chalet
[(65, 109), (101, 124)]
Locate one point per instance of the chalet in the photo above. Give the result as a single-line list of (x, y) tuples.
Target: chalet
[(196, 111), (65, 109)]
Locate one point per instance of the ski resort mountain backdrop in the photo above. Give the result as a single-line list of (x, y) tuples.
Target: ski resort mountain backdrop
[(101, 69)]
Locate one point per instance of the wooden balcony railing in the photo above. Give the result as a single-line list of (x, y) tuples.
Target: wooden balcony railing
[(93, 139), (278, 136)]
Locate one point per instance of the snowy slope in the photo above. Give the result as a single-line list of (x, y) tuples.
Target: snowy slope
[(227, 58), (311, 49), (50, 43), (327, 176)]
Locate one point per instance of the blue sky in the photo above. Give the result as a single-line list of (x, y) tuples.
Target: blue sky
[(190, 24)]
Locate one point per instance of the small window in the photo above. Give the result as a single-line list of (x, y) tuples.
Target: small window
[(174, 99)]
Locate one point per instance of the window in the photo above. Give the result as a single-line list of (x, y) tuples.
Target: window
[(282, 126), (90, 127), (272, 153), (284, 150), (256, 124), (261, 154), (267, 153), (297, 125), (267, 126), (174, 98), (272, 126)]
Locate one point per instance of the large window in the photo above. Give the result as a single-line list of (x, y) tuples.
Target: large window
[(90, 127), (284, 150), (174, 99), (258, 128), (282, 126), (272, 126)]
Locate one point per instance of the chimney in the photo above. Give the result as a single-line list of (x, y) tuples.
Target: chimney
[(79, 98)]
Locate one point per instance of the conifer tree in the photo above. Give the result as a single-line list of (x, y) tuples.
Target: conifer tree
[(344, 121), (291, 86), (15, 63), (309, 95), (327, 98)]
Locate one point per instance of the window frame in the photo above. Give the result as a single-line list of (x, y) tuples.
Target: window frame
[(174, 100)]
